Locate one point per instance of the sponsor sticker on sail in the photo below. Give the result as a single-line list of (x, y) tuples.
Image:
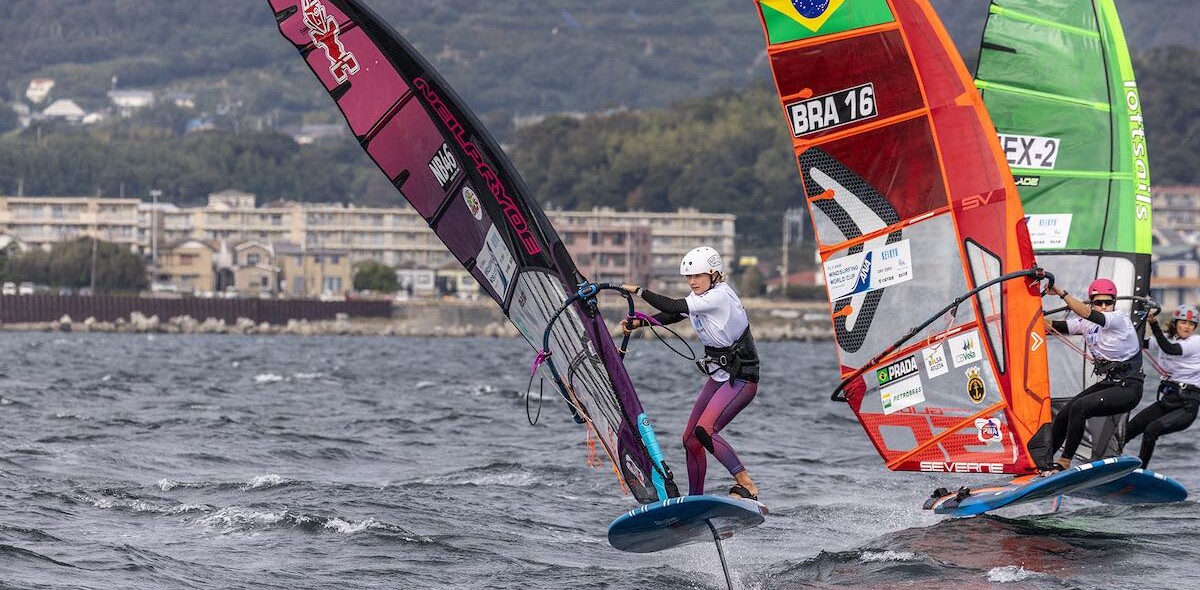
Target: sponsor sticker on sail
[(989, 429), (900, 385), (966, 349), (872, 269), (935, 362), (496, 262), (1049, 231)]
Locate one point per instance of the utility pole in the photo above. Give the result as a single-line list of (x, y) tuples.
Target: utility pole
[(154, 195), (93, 287), (791, 216), (787, 239)]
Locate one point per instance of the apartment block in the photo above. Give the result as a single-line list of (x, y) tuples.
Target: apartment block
[(44, 221), (1177, 207), (608, 245), (671, 236)]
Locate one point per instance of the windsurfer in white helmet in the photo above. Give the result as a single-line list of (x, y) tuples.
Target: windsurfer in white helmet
[(1116, 354), (1179, 391), (731, 363)]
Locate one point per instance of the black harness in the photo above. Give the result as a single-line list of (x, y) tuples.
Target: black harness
[(1120, 371), (739, 360), (1182, 391)]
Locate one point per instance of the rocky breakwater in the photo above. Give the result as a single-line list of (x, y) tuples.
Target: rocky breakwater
[(771, 320)]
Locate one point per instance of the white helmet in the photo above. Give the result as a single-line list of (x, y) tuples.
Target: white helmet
[(702, 260)]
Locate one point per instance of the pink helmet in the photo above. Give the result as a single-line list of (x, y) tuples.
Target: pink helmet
[(1102, 287)]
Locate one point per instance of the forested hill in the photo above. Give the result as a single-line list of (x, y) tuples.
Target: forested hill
[(512, 57), (703, 128)]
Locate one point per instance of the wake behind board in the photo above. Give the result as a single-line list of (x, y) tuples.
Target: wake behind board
[(1027, 488), (1141, 486), (680, 521)]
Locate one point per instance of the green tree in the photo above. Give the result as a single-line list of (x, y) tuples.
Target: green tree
[(8, 118), (70, 264), (375, 276)]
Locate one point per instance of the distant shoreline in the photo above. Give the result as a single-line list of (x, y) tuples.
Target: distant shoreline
[(772, 321)]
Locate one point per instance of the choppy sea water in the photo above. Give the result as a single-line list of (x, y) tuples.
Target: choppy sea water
[(194, 461)]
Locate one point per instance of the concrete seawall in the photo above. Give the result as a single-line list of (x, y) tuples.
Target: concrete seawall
[(771, 320)]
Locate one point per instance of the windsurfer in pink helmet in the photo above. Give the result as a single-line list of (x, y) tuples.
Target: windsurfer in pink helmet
[(730, 362), (1116, 351), (1179, 392)]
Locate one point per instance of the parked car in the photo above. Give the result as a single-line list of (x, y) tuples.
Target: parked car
[(25, 288), (10, 288)]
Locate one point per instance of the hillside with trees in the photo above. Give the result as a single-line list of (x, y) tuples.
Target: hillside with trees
[(725, 151), (517, 57)]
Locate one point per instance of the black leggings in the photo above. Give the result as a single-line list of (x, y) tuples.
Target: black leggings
[(1170, 414), (1106, 398)]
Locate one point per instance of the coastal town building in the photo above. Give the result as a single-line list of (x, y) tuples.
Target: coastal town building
[(128, 101), (186, 267), (303, 249), (1177, 207), (311, 272), (671, 236), (45, 221), (607, 252), (254, 271), (1175, 271), (66, 109), (39, 89)]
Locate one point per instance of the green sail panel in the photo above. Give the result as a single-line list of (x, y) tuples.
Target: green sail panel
[(1056, 78), (1058, 82)]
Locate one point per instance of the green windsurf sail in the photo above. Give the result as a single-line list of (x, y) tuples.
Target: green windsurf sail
[(1057, 79)]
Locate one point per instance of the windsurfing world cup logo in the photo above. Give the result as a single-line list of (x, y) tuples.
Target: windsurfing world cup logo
[(512, 213), (324, 31)]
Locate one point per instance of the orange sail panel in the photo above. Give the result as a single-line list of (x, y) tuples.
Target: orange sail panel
[(913, 205)]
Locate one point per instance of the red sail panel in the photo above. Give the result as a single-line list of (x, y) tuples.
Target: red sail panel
[(912, 206)]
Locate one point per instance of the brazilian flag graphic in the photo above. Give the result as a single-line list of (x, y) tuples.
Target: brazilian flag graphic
[(791, 20)]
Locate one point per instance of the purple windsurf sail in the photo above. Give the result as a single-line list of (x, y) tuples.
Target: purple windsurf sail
[(442, 160)]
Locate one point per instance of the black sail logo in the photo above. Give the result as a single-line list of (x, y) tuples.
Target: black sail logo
[(444, 166)]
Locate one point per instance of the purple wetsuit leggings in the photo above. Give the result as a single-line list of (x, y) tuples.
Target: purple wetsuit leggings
[(717, 404)]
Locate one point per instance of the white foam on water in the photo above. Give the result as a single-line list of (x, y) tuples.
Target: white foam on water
[(144, 506), (307, 376), (516, 479), (1009, 573), (265, 481), (873, 556), (167, 485), (233, 517), (349, 528)]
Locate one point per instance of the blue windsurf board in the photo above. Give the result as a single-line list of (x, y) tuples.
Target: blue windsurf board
[(1140, 486), (1027, 488), (680, 521)]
